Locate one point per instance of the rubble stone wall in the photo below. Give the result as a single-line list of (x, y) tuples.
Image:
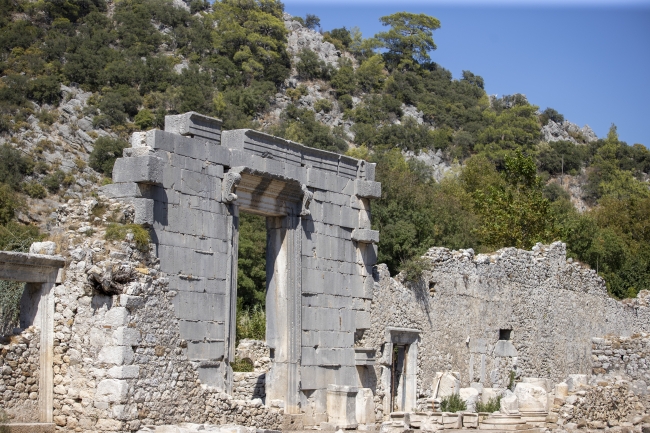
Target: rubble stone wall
[(119, 360), (629, 356), (249, 386), (19, 376), (552, 306)]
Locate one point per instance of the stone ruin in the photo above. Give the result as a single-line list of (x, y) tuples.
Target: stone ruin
[(135, 339)]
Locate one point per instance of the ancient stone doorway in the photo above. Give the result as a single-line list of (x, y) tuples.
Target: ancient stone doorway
[(400, 369), (397, 394), (41, 273), (281, 203)]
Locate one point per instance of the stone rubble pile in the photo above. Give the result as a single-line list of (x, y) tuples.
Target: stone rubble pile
[(608, 403)]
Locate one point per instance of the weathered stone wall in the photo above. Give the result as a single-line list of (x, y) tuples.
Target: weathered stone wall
[(249, 386), (629, 356), (19, 376), (190, 182), (553, 307), (119, 360)]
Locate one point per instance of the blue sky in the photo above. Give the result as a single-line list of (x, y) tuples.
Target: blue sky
[(590, 60)]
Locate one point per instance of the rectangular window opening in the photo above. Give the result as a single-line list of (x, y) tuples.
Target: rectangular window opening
[(505, 334)]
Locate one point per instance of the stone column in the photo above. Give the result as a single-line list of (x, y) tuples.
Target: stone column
[(294, 316), (46, 377), (231, 297)]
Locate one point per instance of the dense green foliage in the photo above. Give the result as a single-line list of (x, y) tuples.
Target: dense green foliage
[(104, 154), (228, 59), (251, 264), (13, 237)]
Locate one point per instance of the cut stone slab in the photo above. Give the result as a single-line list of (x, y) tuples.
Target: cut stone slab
[(341, 407), (532, 398), (35, 427), (446, 384), (470, 396)]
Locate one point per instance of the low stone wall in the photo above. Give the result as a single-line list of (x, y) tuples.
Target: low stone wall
[(629, 356), (19, 376), (249, 386), (530, 312)]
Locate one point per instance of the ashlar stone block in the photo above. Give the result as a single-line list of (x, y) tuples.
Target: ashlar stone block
[(365, 236), (118, 355), (341, 406), (367, 188), (140, 169), (112, 391)]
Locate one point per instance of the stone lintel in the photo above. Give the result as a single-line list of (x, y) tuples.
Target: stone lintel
[(32, 268)]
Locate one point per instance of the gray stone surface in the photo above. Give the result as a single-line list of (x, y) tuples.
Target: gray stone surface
[(193, 180), (553, 306)]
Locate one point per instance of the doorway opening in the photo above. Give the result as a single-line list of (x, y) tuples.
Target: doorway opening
[(275, 204), (400, 369), (251, 278), (397, 395)]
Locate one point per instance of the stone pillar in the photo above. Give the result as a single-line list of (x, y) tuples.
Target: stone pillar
[(294, 304), (46, 377), (231, 297), (341, 407)]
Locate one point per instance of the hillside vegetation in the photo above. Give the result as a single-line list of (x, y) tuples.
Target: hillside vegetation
[(382, 99)]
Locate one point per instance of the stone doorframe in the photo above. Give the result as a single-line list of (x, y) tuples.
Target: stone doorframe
[(286, 202), (410, 338), (41, 273)]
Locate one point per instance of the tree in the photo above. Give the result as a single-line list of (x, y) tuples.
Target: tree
[(252, 34), (312, 21), (409, 40), (475, 80), (514, 212), (551, 114)]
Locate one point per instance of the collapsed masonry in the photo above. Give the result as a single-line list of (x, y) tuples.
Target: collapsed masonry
[(346, 346)]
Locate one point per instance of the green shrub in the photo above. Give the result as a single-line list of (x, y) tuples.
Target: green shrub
[(145, 119), (13, 166), (344, 80), (104, 154), (18, 237), (242, 365), (45, 89), (34, 189), (251, 323), (118, 232), (453, 404), (47, 116), (345, 102), (55, 180), (414, 268), (310, 66), (324, 105), (10, 294), (493, 405), (9, 203)]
